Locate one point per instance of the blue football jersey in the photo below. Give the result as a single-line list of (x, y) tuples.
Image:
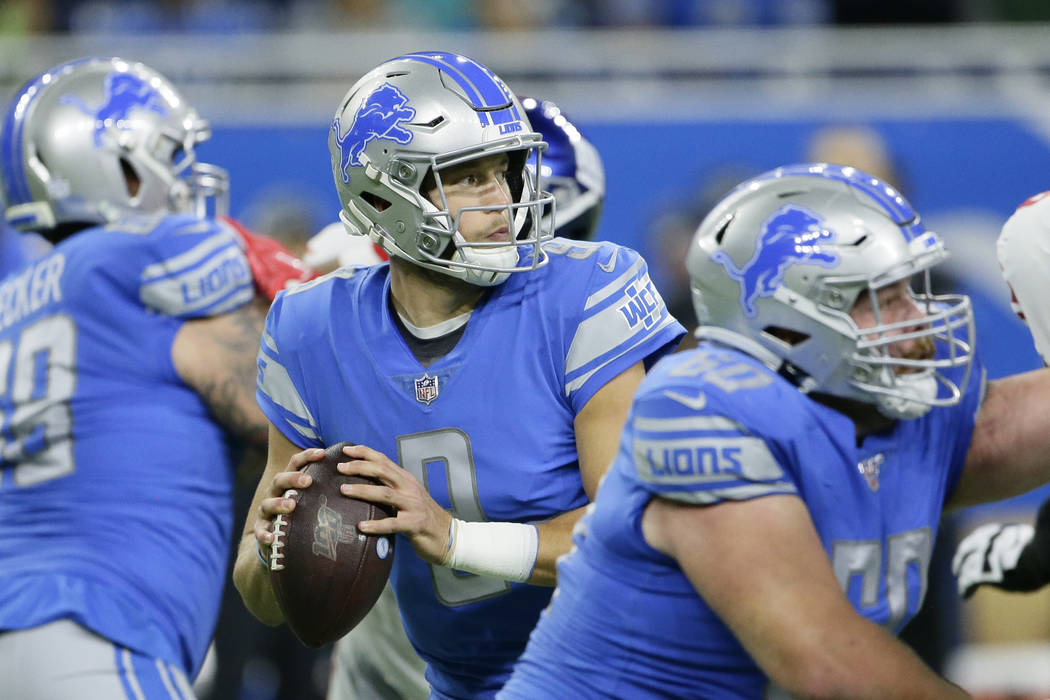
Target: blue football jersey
[(713, 425), (13, 251), (115, 482), (488, 428)]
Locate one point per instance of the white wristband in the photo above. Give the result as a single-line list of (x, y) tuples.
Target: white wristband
[(503, 550)]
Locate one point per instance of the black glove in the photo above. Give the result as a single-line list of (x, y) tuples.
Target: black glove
[(1010, 556)]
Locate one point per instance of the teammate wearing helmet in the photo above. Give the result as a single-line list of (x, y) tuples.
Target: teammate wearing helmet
[(1016, 556), (481, 371), (127, 355), (376, 661), (767, 525)]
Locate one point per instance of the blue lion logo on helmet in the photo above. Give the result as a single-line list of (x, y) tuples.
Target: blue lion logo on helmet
[(124, 93), (791, 236), (379, 117)]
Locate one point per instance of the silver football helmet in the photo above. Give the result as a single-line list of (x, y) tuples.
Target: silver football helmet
[(396, 130), (780, 262), (95, 139)]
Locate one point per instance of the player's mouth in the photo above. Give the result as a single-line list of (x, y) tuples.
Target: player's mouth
[(500, 234)]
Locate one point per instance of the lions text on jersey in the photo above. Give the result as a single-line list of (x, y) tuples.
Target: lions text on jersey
[(104, 448), (715, 425), (488, 428)]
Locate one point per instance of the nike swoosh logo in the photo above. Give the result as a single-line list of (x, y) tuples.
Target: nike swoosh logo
[(697, 403), (611, 265)]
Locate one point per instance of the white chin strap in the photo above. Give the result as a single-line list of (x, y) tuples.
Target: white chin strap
[(495, 258), (916, 392)]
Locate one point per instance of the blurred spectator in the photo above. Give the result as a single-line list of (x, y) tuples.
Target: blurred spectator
[(671, 231), (287, 214), (339, 14), (18, 17), (686, 13), (197, 16), (240, 16), (897, 11), (1010, 10), (859, 146)]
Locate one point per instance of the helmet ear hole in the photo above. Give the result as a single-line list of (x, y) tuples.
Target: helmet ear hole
[(375, 201), (791, 337), (722, 229), (131, 178), (429, 183)]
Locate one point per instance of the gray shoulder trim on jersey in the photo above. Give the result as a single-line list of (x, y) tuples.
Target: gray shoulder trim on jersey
[(339, 273), (307, 433), (677, 425), (614, 286), (211, 278), (186, 259), (268, 341), (275, 382), (586, 346), (733, 493), (705, 461), (636, 307)]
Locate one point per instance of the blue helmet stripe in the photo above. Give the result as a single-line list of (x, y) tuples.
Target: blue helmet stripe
[(12, 161), (472, 94), (483, 88), (492, 89), (16, 188), (882, 192)]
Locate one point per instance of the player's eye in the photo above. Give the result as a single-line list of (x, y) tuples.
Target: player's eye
[(467, 179)]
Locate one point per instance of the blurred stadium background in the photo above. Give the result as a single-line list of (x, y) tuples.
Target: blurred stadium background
[(948, 99)]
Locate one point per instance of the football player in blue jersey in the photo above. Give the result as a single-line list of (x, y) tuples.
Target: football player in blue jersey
[(766, 528), (375, 661), (127, 360), (1016, 556), (481, 371)]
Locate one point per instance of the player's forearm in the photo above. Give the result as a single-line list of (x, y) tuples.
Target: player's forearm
[(217, 358), (252, 580), (510, 551), (856, 660), (555, 539), (1010, 443)]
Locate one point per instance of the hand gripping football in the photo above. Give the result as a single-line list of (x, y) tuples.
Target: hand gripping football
[(325, 574)]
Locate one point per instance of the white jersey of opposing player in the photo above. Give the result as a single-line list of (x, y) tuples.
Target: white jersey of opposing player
[(375, 661), (1024, 255), (333, 247)]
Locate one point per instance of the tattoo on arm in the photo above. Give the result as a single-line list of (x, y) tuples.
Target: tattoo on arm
[(222, 369)]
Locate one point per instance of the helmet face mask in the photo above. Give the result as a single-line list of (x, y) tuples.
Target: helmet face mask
[(785, 258), (404, 124), (94, 140)]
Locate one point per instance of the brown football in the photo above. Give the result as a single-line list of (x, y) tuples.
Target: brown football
[(327, 575)]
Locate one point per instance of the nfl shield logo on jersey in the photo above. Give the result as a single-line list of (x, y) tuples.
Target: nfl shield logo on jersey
[(870, 468), (426, 389)]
